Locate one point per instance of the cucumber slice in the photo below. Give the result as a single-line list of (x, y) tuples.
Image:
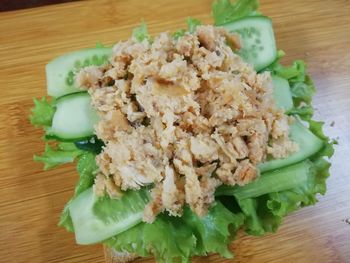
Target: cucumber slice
[(258, 40), (74, 118), (282, 94), (90, 228), (60, 72), (275, 181), (309, 144)]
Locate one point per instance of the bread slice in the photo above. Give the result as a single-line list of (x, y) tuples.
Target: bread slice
[(112, 256)]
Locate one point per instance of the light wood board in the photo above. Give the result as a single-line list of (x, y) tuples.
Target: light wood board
[(31, 199)]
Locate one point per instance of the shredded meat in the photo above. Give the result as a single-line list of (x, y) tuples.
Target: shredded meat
[(245, 172), (89, 77), (185, 116)]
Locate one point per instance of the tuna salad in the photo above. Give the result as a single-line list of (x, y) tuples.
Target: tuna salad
[(185, 115)]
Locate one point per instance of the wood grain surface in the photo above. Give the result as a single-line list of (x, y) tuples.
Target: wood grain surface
[(31, 199)]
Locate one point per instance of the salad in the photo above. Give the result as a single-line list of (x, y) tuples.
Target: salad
[(182, 139)]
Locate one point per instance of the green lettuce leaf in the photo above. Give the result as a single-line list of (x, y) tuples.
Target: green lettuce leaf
[(86, 168), (131, 241), (63, 153), (301, 84), (192, 23), (215, 231), (42, 112), (302, 91), (65, 218), (174, 239), (179, 33), (258, 218), (293, 73), (281, 204), (140, 33), (224, 11), (168, 239), (304, 112), (99, 45)]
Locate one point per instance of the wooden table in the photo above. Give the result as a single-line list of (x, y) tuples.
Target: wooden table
[(31, 199)]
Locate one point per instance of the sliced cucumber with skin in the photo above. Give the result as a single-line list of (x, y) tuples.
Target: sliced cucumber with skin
[(257, 40), (90, 229), (74, 118), (274, 181), (282, 93), (309, 144), (61, 71)]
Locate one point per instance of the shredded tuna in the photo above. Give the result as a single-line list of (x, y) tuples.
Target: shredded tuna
[(89, 77), (184, 115)]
